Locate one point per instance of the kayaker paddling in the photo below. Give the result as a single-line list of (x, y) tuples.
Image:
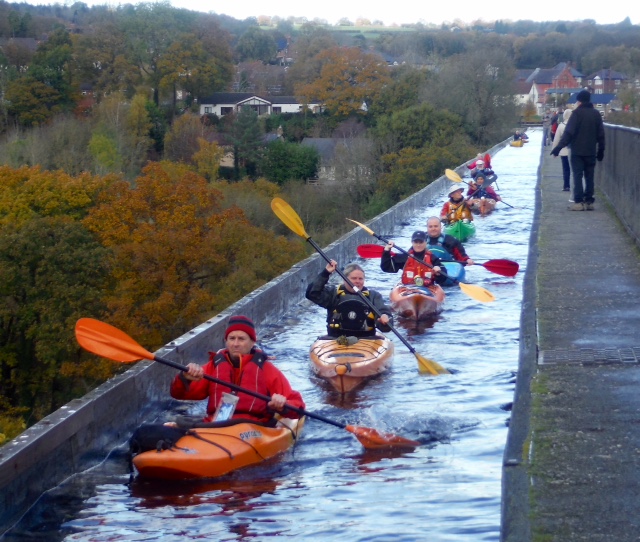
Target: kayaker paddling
[(243, 364), (453, 248), (347, 314), (455, 208)]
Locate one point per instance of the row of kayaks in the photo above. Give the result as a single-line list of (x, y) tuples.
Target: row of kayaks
[(345, 363)]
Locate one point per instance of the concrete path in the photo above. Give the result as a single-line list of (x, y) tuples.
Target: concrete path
[(575, 474)]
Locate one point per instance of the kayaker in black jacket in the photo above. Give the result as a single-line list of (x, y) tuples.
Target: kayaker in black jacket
[(347, 313), (448, 243), (584, 134)]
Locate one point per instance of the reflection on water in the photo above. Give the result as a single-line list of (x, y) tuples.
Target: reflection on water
[(328, 487)]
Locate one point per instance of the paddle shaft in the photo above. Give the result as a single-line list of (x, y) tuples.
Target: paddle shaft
[(256, 394), (361, 295), (506, 268), (442, 272)]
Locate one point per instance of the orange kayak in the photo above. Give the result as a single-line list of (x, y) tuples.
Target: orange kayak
[(214, 451), (417, 302), (346, 366)]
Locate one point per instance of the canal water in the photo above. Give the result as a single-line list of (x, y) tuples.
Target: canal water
[(328, 487)]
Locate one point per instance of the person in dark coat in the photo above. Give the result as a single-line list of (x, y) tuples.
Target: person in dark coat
[(584, 134), (347, 313)]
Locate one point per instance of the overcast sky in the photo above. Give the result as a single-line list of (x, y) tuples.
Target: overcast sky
[(407, 11), (413, 11)]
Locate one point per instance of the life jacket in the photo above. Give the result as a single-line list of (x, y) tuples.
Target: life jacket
[(437, 248), (417, 273), (351, 315), (458, 211), (248, 377)]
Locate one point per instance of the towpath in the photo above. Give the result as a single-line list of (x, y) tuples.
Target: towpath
[(572, 465)]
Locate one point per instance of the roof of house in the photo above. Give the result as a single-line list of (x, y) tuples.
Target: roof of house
[(523, 75), (522, 87), (596, 99), (546, 76), (325, 146), (607, 75), (238, 97)]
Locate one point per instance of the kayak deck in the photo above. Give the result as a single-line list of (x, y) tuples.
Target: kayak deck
[(214, 451), (417, 302), (346, 366)]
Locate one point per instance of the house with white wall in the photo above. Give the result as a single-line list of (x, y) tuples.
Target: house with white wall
[(225, 103)]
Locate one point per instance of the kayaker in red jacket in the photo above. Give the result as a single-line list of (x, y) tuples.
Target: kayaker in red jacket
[(245, 365), (477, 190), (413, 272)]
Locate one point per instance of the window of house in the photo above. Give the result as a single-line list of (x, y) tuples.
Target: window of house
[(208, 109), (226, 110), (277, 110)]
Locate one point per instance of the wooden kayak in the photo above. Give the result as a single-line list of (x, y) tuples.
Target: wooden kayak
[(461, 230), (346, 366), (417, 302), (483, 206), (210, 452)]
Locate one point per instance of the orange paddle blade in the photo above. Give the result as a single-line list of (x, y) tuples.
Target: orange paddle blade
[(372, 439), (109, 342)]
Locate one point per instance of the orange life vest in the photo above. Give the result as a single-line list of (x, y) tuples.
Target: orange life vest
[(458, 211), (416, 273)]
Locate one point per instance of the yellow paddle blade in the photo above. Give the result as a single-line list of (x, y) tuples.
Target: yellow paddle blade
[(477, 292), (289, 217), (368, 230), (452, 176), (429, 366)]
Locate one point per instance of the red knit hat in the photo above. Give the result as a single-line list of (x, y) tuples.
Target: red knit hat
[(241, 323)]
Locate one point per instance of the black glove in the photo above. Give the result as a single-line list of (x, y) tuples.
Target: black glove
[(555, 151), (600, 155)]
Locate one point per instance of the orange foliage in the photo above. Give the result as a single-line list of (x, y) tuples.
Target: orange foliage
[(349, 77), (178, 255)]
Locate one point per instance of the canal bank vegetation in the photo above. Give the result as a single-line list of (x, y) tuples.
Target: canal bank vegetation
[(121, 202)]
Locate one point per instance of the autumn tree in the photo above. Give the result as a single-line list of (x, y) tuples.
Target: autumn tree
[(178, 256), (311, 40), (348, 78), (207, 159), (103, 60), (46, 88), (181, 142), (52, 272)]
